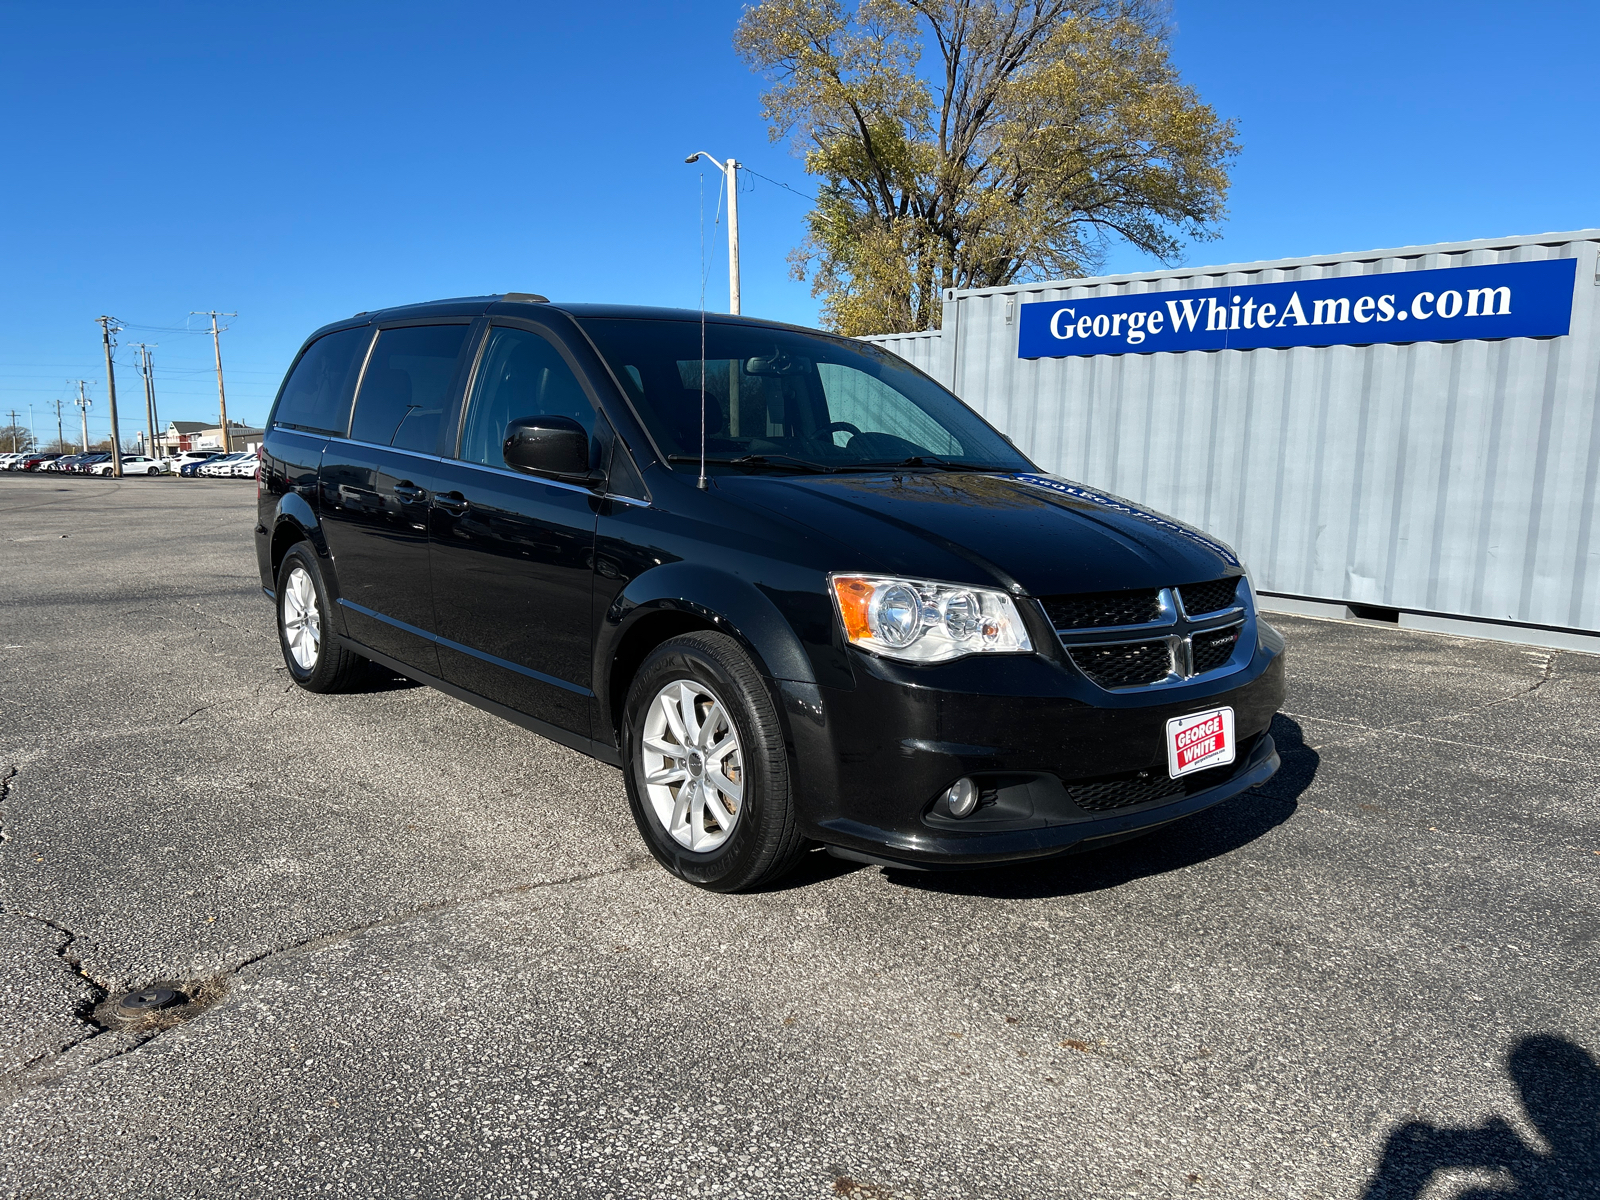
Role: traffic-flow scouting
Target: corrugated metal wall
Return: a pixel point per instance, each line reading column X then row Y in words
column 1456, row 478
column 922, row 350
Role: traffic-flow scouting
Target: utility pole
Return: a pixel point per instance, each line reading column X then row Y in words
column 14, row 446
column 106, row 331
column 147, row 369
column 84, row 404
column 61, row 434
column 730, row 172
column 222, row 396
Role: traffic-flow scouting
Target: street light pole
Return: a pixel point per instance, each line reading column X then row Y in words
column 730, row 172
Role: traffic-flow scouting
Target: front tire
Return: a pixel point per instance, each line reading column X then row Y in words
column 317, row 660
column 705, row 765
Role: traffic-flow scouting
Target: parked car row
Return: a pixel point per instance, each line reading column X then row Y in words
column 240, row 464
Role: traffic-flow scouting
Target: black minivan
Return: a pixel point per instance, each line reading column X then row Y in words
column 789, row 584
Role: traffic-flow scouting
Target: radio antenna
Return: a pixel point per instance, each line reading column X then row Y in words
column 702, row 483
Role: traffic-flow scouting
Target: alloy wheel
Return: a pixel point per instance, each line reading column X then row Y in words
column 692, row 766
column 302, row 620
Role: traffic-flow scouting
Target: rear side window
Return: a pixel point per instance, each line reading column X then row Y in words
column 316, row 396
column 407, row 386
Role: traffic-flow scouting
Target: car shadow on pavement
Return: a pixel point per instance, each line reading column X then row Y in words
column 377, row 678
column 1206, row 835
column 1559, row 1082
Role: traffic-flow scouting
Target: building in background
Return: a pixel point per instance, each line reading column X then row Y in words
column 1411, row 435
column 197, row 435
column 180, row 436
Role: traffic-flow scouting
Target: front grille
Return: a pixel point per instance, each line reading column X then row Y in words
column 1128, row 665
column 1109, row 794
column 1137, row 607
column 1209, row 597
column 1142, row 787
column 1212, row 650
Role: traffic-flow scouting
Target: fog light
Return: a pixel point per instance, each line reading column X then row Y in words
column 962, row 797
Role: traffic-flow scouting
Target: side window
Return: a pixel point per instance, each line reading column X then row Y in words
column 407, row 387
column 522, row 375
column 316, row 396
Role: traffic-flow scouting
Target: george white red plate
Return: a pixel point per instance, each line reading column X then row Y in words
column 1200, row 740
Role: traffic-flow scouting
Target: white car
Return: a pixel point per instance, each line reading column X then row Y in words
column 176, row 462
column 221, row 465
column 132, row 464
column 247, row 466
column 8, row 462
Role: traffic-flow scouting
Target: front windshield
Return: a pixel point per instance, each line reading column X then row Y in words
column 777, row 399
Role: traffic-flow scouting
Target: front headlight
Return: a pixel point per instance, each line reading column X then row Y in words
column 916, row 620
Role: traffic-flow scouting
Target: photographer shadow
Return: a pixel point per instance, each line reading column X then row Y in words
column 1559, row 1082
column 1209, row 834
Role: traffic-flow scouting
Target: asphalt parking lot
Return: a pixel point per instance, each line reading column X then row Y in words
column 433, row 958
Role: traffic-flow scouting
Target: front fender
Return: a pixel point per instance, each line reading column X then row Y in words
column 729, row 602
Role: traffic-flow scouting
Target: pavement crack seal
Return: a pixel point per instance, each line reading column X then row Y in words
column 5, row 794
column 103, row 1019
column 1548, row 674
column 1401, row 727
column 84, row 1008
column 219, row 703
column 427, row 910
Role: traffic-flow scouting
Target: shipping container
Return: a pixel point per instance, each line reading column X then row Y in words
column 1443, row 483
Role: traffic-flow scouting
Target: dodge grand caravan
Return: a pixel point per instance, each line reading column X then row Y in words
column 796, row 590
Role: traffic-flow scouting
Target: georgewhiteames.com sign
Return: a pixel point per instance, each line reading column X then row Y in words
column 1505, row 300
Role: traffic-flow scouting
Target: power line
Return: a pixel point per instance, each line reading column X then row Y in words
column 175, row 328
column 778, row 183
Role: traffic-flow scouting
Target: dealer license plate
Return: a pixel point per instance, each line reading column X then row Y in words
column 1199, row 741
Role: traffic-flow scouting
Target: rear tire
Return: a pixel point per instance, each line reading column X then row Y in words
column 317, row 660
column 711, row 795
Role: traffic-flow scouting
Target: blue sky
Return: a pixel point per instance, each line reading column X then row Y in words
column 300, row 162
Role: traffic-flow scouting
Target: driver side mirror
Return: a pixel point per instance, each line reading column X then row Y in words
column 557, row 447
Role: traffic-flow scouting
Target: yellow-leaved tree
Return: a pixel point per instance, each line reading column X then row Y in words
column 973, row 143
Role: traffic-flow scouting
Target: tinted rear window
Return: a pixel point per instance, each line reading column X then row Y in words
column 407, row 385
column 316, row 396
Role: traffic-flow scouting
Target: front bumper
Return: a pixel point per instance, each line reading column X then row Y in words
column 888, row 848
column 871, row 762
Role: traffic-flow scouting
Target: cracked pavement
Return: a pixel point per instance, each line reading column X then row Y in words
column 440, row 962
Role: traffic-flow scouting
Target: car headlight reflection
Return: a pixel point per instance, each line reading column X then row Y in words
column 920, row 621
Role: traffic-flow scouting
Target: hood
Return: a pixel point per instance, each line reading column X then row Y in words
column 1047, row 534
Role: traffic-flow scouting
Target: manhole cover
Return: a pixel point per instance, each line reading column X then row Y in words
column 148, row 1000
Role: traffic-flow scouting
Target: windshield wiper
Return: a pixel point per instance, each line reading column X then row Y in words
column 758, row 460
column 920, row 460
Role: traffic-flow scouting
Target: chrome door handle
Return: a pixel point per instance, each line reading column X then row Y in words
column 453, row 503
column 409, row 493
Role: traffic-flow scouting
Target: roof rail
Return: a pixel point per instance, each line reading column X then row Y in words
column 526, row 297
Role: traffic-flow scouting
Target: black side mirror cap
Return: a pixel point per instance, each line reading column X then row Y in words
column 557, row 447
